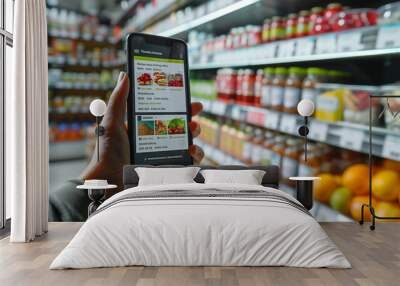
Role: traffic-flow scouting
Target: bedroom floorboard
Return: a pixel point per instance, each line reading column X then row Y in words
column 375, row 257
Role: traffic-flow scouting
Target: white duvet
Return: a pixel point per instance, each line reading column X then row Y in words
column 200, row 231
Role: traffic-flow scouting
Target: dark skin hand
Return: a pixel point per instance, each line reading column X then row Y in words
column 114, row 144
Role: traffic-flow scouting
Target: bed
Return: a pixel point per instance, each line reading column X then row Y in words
column 197, row 224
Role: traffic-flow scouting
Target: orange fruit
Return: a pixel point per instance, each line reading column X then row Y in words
column 387, row 209
column 355, row 178
column 338, row 179
column 355, row 207
column 324, row 187
column 385, row 185
column 340, row 200
column 391, row 165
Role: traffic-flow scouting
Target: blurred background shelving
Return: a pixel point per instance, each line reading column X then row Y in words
column 337, row 55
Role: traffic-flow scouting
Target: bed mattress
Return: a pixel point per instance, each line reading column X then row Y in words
column 201, row 225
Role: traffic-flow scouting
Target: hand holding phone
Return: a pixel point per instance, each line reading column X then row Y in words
column 159, row 109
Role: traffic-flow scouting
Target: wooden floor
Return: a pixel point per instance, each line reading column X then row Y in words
column 375, row 257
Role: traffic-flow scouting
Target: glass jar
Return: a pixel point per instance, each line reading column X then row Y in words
column 248, row 84
column 266, row 87
column 293, row 86
column 278, row 150
column 315, row 14
column 258, row 86
column 309, row 91
column 332, row 9
column 237, row 33
column 278, row 89
column 291, row 26
column 254, row 35
column 290, row 160
column 266, row 155
column 257, row 141
column 277, row 31
column 247, row 144
column 266, row 31
column 303, row 24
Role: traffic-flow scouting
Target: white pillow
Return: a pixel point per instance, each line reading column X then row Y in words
column 248, row 177
column 166, row 176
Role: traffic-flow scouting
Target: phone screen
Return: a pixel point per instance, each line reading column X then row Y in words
column 159, row 102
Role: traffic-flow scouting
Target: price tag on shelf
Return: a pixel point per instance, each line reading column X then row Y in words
column 218, row 108
column 271, row 120
column 387, row 36
column 391, row 147
column 318, row 130
column 286, row 48
column 349, row 41
column 288, row 124
column 269, row 51
column 255, row 117
column 235, row 112
column 326, row 44
column 305, row 46
column 351, row 139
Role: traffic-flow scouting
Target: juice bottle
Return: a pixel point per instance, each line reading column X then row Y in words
column 258, row 87
column 248, row 84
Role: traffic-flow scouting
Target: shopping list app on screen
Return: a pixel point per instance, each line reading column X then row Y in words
column 160, row 103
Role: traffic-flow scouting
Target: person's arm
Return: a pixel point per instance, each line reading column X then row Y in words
column 69, row 204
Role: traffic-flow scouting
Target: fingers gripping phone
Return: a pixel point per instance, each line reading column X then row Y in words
column 159, row 108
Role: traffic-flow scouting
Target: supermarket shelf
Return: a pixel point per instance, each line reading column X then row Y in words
column 162, row 14
column 340, row 134
column 88, row 42
column 80, row 92
column 238, row 5
column 73, row 150
column 217, row 156
column 70, row 117
column 80, row 67
column 244, row 61
column 320, row 211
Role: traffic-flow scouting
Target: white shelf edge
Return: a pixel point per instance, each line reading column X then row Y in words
column 208, row 18
column 294, row 59
column 377, row 131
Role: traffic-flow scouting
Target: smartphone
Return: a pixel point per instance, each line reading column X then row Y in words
column 159, row 109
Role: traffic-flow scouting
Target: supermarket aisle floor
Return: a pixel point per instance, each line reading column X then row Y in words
column 64, row 170
column 374, row 257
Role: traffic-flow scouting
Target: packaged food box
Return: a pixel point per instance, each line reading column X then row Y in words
column 350, row 103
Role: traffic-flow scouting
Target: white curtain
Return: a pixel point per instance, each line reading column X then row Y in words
column 27, row 123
